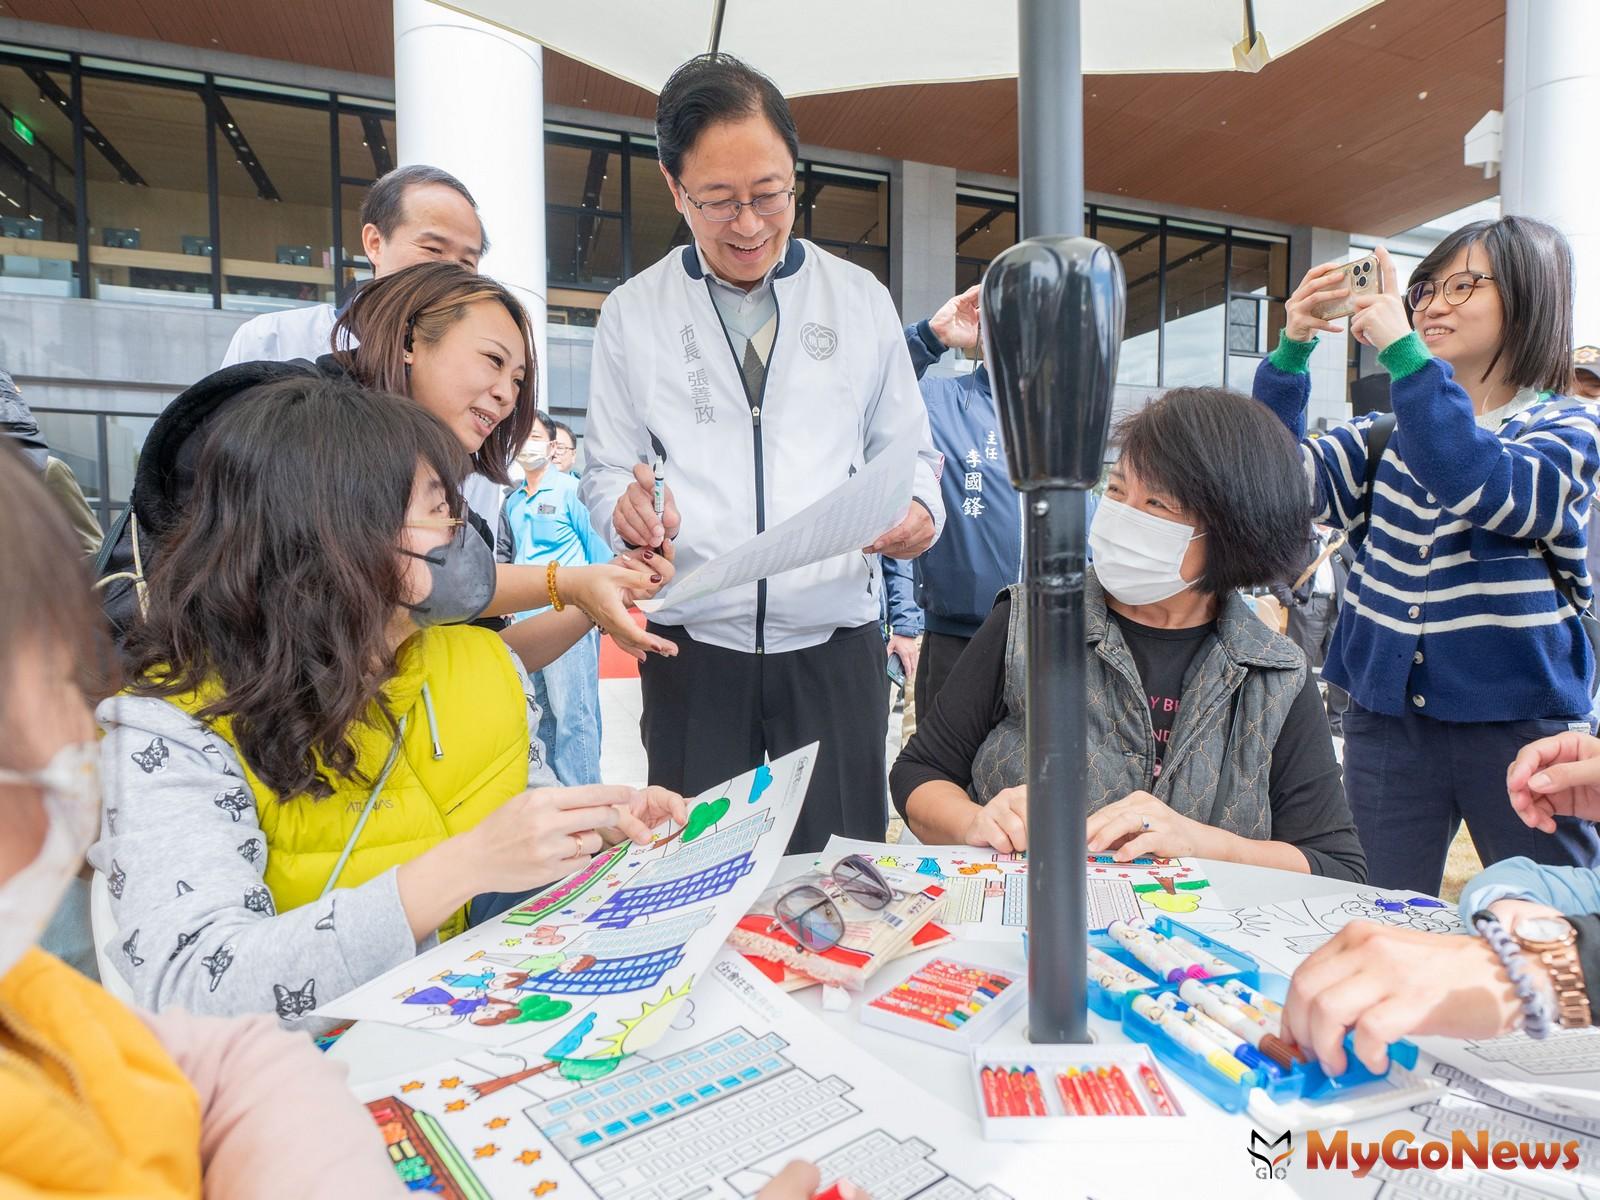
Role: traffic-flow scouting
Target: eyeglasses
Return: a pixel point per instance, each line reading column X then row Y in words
column 1456, row 289
column 809, row 915
column 768, row 204
column 437, row 523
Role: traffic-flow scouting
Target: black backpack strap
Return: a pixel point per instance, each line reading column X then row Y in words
column 1378, row 434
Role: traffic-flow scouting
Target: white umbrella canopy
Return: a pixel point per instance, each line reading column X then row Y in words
column 838, row 45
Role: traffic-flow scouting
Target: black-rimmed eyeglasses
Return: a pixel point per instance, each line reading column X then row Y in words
column 1456, row 289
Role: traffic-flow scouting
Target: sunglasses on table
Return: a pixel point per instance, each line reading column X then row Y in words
column 808, row 914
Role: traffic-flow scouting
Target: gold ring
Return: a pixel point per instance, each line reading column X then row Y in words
column 578, row 843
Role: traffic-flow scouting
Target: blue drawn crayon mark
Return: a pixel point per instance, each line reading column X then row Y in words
column 761, row 782
column 573, row 1039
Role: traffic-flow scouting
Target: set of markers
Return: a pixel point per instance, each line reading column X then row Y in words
column 1095, row 1093
column 947, row 1003
column 1202, row 1006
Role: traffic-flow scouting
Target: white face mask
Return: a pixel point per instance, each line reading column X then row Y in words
column 534, row 455
column 1138, row 557
column 71, row 785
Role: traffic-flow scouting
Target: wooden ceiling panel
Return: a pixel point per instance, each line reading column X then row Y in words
column 1332, row 135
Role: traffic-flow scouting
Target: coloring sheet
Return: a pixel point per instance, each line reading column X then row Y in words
column 987, row 892
column 1559, row 1074
column 853, row 515
column 1281, row 936
column 1471, row 1106
column 597, row 966
column 744, row 1081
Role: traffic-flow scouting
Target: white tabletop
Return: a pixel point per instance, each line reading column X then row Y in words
column 375, row 1051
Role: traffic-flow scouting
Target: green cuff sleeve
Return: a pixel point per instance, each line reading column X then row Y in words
column 1291, row 356
column 1405, row 357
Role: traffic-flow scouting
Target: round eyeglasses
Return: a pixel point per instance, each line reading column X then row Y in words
column 1456, row 289
column 768, row 204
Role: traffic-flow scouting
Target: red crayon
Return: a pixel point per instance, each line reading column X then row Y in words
column 1097, row 1094
column 1158, row 1091
column 1015, row 1092
column 1121, row 1087
column 1035, row 1095
column 1069, row 1099
column 993, row 1097
column 1119, row 1105
column 1081, row 1091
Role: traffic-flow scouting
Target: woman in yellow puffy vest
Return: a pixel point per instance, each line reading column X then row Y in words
column 318, row 765
column 98, row 1099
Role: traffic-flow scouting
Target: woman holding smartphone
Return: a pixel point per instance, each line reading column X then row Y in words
column 1460, row 641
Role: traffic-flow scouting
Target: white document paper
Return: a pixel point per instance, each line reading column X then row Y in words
column 855, row 514
column 598, row 965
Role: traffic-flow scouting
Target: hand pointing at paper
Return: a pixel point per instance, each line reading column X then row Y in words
column 909, row 538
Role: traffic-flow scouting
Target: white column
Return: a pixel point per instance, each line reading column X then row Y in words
column 1551, row 128
column 922, row 222
column 1329, row 365
column 469, row 97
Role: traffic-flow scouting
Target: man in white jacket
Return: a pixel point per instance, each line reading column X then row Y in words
column 764, row 372
column 412, row 215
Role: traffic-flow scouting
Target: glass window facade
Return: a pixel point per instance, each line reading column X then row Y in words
column 147, row 185
column 1205, row 302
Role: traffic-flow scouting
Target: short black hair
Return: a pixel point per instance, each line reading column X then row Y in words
column 386, row 199
column 1231, row 464
column 563, row 427
column 711, row 88
column 1532, row 267
column 543, row 421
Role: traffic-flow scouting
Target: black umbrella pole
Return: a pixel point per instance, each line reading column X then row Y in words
column 1057, row 731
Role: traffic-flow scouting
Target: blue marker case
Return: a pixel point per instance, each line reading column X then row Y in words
column 1304, row 1081
column 1109, row 1004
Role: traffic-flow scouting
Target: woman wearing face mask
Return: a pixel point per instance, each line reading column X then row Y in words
column 460, row 345
column 1206, row 733
column 316, row 766
column 1459, row 641
column 97, row 1099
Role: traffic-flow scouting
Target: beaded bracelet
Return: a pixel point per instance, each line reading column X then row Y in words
column 550, row 585
column 1536, row 1020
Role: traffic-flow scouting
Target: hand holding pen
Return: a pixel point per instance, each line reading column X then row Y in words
column 636, row 517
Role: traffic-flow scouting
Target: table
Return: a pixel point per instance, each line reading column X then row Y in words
column 374, row 1051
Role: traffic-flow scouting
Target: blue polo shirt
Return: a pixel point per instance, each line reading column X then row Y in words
column 550, row 523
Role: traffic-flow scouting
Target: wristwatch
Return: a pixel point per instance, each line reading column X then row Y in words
column 1554, row 943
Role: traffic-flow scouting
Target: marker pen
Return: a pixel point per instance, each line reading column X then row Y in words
column 1241, row 1048
column 1112, row 975
column 1184, row 948
column 1167, row 964
column 1191, row 1039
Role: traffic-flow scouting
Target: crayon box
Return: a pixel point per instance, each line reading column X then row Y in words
column 946, row 1002
column 1097, row 1094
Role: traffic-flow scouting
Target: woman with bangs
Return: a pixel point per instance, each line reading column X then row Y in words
column 1461, row 640
column 318, row 764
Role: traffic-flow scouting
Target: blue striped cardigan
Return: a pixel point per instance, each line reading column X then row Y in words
column 1451, row 611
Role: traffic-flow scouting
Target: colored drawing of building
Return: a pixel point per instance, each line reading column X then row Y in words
column 707, row 867
column 563, row 894
column 625, row 960
column 423, row 1154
